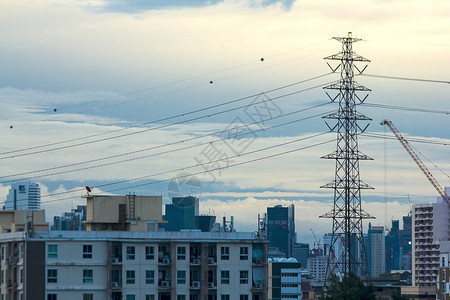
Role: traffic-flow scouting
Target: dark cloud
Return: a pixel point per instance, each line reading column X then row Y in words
column 137, row 6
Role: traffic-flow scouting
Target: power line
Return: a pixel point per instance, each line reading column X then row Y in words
column 414, row 140
column 409, row 43
column 184, row 168
column 161, row 120
column 165, row 145
column 425, row 110
column 192, row 174
column 423, row 155
column 404, row 78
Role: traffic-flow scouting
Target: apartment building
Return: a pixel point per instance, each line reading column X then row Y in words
column 430, row 224
column 284, row 279
column 94, row 265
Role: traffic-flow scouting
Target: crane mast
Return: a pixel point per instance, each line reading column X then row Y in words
column 418, row 161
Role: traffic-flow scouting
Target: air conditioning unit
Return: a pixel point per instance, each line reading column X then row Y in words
column 115, row 284
column 165, row 283
column 196, row 284
column 166, row 261
column 196, row 261
column 211, row 260
column 259, row 261
column 259, row 285
column 115, row 260
column 210, row 284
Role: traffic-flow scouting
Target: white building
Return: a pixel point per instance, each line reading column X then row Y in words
column 23, row 196
column 94, row 265
column 430, row 226
column 317, row 266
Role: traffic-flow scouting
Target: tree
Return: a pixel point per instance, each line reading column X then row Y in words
column 350, row 288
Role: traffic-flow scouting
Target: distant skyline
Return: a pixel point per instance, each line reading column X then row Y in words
column 83, row 69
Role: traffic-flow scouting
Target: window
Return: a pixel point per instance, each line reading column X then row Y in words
column 131, row 297
column 88, row 276
column 149, row 277
column 181, row 277
column 181, row 253
column 52, row 275
column 87, row 251
column 2, row 254
column 225, row 297
column 2, row 279
column 224, row 253
column 131, row 277
column 52, row 251
column 244, row 297
column 21, row 251
column 243, row 277
column 225, row 277
column 51, row 297
column 21, row 275
column 149, row 297
column 149, row 253
column 131, row 252
column 181, row 297
column 244, row 253
column 88, row 296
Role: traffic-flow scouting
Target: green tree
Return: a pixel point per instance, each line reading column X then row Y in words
column 350, row 288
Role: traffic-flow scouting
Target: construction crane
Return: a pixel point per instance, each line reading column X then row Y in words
column 418, row 161
column 316, row 242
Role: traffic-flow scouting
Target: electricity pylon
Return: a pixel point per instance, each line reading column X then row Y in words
column 347, row 213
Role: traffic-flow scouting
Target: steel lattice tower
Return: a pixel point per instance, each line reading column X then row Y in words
column 347, row 213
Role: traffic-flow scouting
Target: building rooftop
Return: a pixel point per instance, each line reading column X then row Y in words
column 136, row 235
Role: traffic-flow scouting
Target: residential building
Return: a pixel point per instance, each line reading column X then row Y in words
column 430, row 227
column 284, row 279
column 317, row 266
column 123, row 213
column 69, row 265
column 23, row 196
column 376, row 250
column 73, row 220
column 443, row 281
column 281, row 229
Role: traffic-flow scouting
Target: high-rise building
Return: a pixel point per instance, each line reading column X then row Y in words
column 281, row 230
column 317, row 266
column 301, row 253
column 406, row 244
column 73, row 220
column 376, row 250
column 392, row 242
column 23, row 196
column 430, row 227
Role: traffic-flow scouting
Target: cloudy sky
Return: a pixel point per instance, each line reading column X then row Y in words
column 124, row 96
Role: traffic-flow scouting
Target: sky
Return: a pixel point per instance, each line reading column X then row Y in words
column 129, row 96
